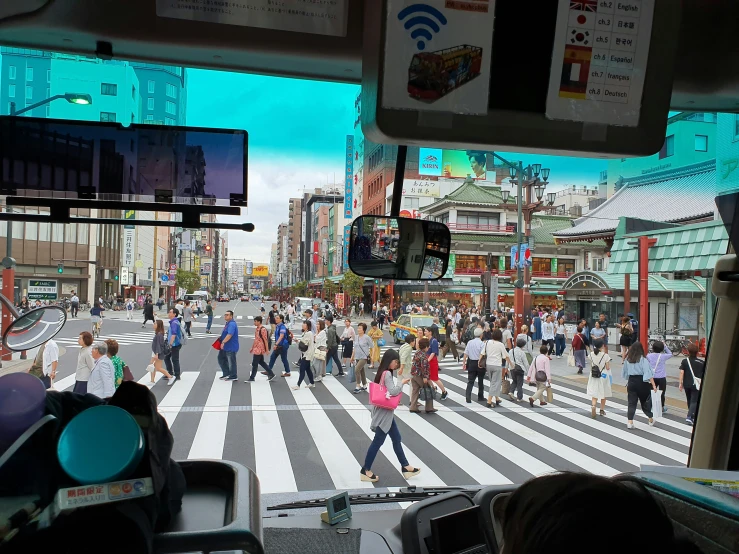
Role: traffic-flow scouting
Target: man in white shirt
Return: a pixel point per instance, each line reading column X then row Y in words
column 50, row 363
column 102, row 378
column 547, row 334
column 74, row 304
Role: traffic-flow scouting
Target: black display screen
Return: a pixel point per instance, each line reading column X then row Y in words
column 339, row 504
column 458, row 531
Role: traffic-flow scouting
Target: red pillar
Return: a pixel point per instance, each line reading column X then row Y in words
column 627, row 293
column 644, row 244
column 8, row 291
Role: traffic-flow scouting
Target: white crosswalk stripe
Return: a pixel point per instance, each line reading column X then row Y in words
column 142, row 337
column 483, row 445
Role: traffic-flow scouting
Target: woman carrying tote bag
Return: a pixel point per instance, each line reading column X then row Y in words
column 384, row 397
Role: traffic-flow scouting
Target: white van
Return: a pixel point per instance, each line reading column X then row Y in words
column 198, row 295
column 306, row 302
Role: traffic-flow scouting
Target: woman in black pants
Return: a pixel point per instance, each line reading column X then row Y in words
column 638, row 371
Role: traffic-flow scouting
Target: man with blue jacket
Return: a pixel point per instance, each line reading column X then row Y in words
column 174, row 338
column 280, row 346
column 229, row 348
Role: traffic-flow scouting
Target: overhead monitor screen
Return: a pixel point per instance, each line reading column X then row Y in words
column 142, row 163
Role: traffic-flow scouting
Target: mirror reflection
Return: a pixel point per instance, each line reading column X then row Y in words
column 34, row 328
column 399, row 248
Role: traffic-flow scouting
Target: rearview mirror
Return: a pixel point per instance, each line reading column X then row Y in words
column 399, row 248
column 34, row 328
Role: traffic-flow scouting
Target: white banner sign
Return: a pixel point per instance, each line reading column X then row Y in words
column 125, row 278
column 128, row 246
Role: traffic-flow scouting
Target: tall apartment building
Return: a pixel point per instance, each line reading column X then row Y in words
column 379, row 171
column 281, row 275
column 163, row 93
column 294, row 228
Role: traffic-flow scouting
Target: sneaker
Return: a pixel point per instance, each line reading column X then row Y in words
column 286, row 375
column 171, row 381
column 664, row 409
column 688, row 421
column 357, row 391
column 231, row 379
column 248, row 380
column 510, row 395
column 341, row 374
column 629, row 425
column 311, row 386
column 295, row 388
column 272, row 378
column 443, row 395
column 223, row 377
column 651, row 422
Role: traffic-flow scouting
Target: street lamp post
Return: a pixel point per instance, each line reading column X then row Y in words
column 8, row 263
column 529, row 177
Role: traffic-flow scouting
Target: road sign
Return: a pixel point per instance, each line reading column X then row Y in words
column 165, row 278
column 125, row 276
column 173, row 267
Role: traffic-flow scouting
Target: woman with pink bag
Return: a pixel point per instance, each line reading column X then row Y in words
column 384, row 397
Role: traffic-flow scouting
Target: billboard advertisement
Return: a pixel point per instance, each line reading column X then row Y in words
column 456, row 163
column 348, row 175
column 261, row 271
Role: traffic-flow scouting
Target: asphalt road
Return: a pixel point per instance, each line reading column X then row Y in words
column 316, row 439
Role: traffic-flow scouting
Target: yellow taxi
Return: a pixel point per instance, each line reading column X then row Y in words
column 408, row 323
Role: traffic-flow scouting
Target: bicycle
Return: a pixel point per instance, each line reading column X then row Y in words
column 97, row 324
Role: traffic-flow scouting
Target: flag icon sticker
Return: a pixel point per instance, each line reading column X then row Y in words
column 579, row 37
column 584, row 20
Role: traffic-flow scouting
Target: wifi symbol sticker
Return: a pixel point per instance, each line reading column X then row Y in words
column 414, row 23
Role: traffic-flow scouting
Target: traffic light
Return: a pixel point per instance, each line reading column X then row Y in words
column 60, row 268
column 115, row 276
column 207, row 247
column 377, row 281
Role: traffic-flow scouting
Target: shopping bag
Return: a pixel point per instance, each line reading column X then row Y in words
column 378, row 395
column 380, row 342
column 127, row 375
column 550, row 394
column 428, row 393
column 352, row 374
column 505, row 386
column 217, row 344
column 656, row 404
column 571, row 360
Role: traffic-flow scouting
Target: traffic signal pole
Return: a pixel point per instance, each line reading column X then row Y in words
column 8, row 289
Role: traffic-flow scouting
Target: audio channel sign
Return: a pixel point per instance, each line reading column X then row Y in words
column 599, row 61
column 437, row 55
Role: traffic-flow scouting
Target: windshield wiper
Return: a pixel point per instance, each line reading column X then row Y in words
column 405, row 494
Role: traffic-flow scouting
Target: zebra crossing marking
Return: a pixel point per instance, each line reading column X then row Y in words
column 210, row 436
column 171, row 405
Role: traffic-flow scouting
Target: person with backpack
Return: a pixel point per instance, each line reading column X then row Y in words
column 579, row 350
column 260, row 347
column 129, row 310
column 691, row 378
column 520, row 361
column 283, row 340
column 174, row 340
column 541, row 373
column 332, row 343
column 600, row 379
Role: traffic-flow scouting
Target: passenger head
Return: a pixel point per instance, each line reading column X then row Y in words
column 112, row 347
column 478, row 332
column 692, row 350
column 597, row 345
column 410, row 338
column 543, row 349
column 521, row 343
column 546, row 513
column 658, row 346
column 390, row 362
column 635, row 353
column 497, row 335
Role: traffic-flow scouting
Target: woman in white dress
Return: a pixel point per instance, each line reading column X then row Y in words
column 600, row 380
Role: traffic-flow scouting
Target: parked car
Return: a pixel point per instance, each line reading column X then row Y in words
column 244, row 297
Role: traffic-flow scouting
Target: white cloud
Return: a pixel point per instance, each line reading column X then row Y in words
column 271, row 185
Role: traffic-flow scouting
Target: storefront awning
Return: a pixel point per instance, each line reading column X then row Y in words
column 686, row 248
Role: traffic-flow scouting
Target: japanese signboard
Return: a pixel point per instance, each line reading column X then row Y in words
column 129, row 214
column 128, row 246
column 348, row 176
column 42, row 290
column 417, row 187
column 325, row 17
column 125, row 278
column 599, row 61
column 347, row 239
column 261, row 271
column 206, row 269
column 196, row 264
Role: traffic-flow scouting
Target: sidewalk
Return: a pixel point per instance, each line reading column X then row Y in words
column 674, row 398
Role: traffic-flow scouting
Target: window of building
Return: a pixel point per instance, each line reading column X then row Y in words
column 133, row 92
column 107, row 116
column 11, row 72
column 411, row 203
column 598, row 264
column 57, row 232
column 151, row 87
column 668, row 148
column 443, row 218
column 44, row 232
column 170, row 121
column 11, row 91
column 29, row 93
column 149, row 103
column 31, row 230
column 108, row 89
column 171, row 91
column 71, row 232
column 83, row 233
column 477, row 219
column 171, row 107
column 29, row 74
column 701, row 143
column 149, row 117
column 18, row 229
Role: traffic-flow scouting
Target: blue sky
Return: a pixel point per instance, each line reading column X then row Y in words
column 297, row 131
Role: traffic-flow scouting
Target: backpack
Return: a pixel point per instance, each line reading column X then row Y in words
column 289, row 336
column 469, row 334
column 269, row 339
column 595, row 370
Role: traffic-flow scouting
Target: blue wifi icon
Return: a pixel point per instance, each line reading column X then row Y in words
column 414, row 22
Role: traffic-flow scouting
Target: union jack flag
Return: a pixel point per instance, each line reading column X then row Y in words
column 584, row 5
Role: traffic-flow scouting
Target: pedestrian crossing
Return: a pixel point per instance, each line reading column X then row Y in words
column 316, row 439
column 137, row 337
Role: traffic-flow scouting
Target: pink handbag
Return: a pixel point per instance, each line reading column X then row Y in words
column 377, row 395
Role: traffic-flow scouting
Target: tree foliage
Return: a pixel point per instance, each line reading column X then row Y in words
column 300, row 288
column 188, row 280
column 352, row 284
